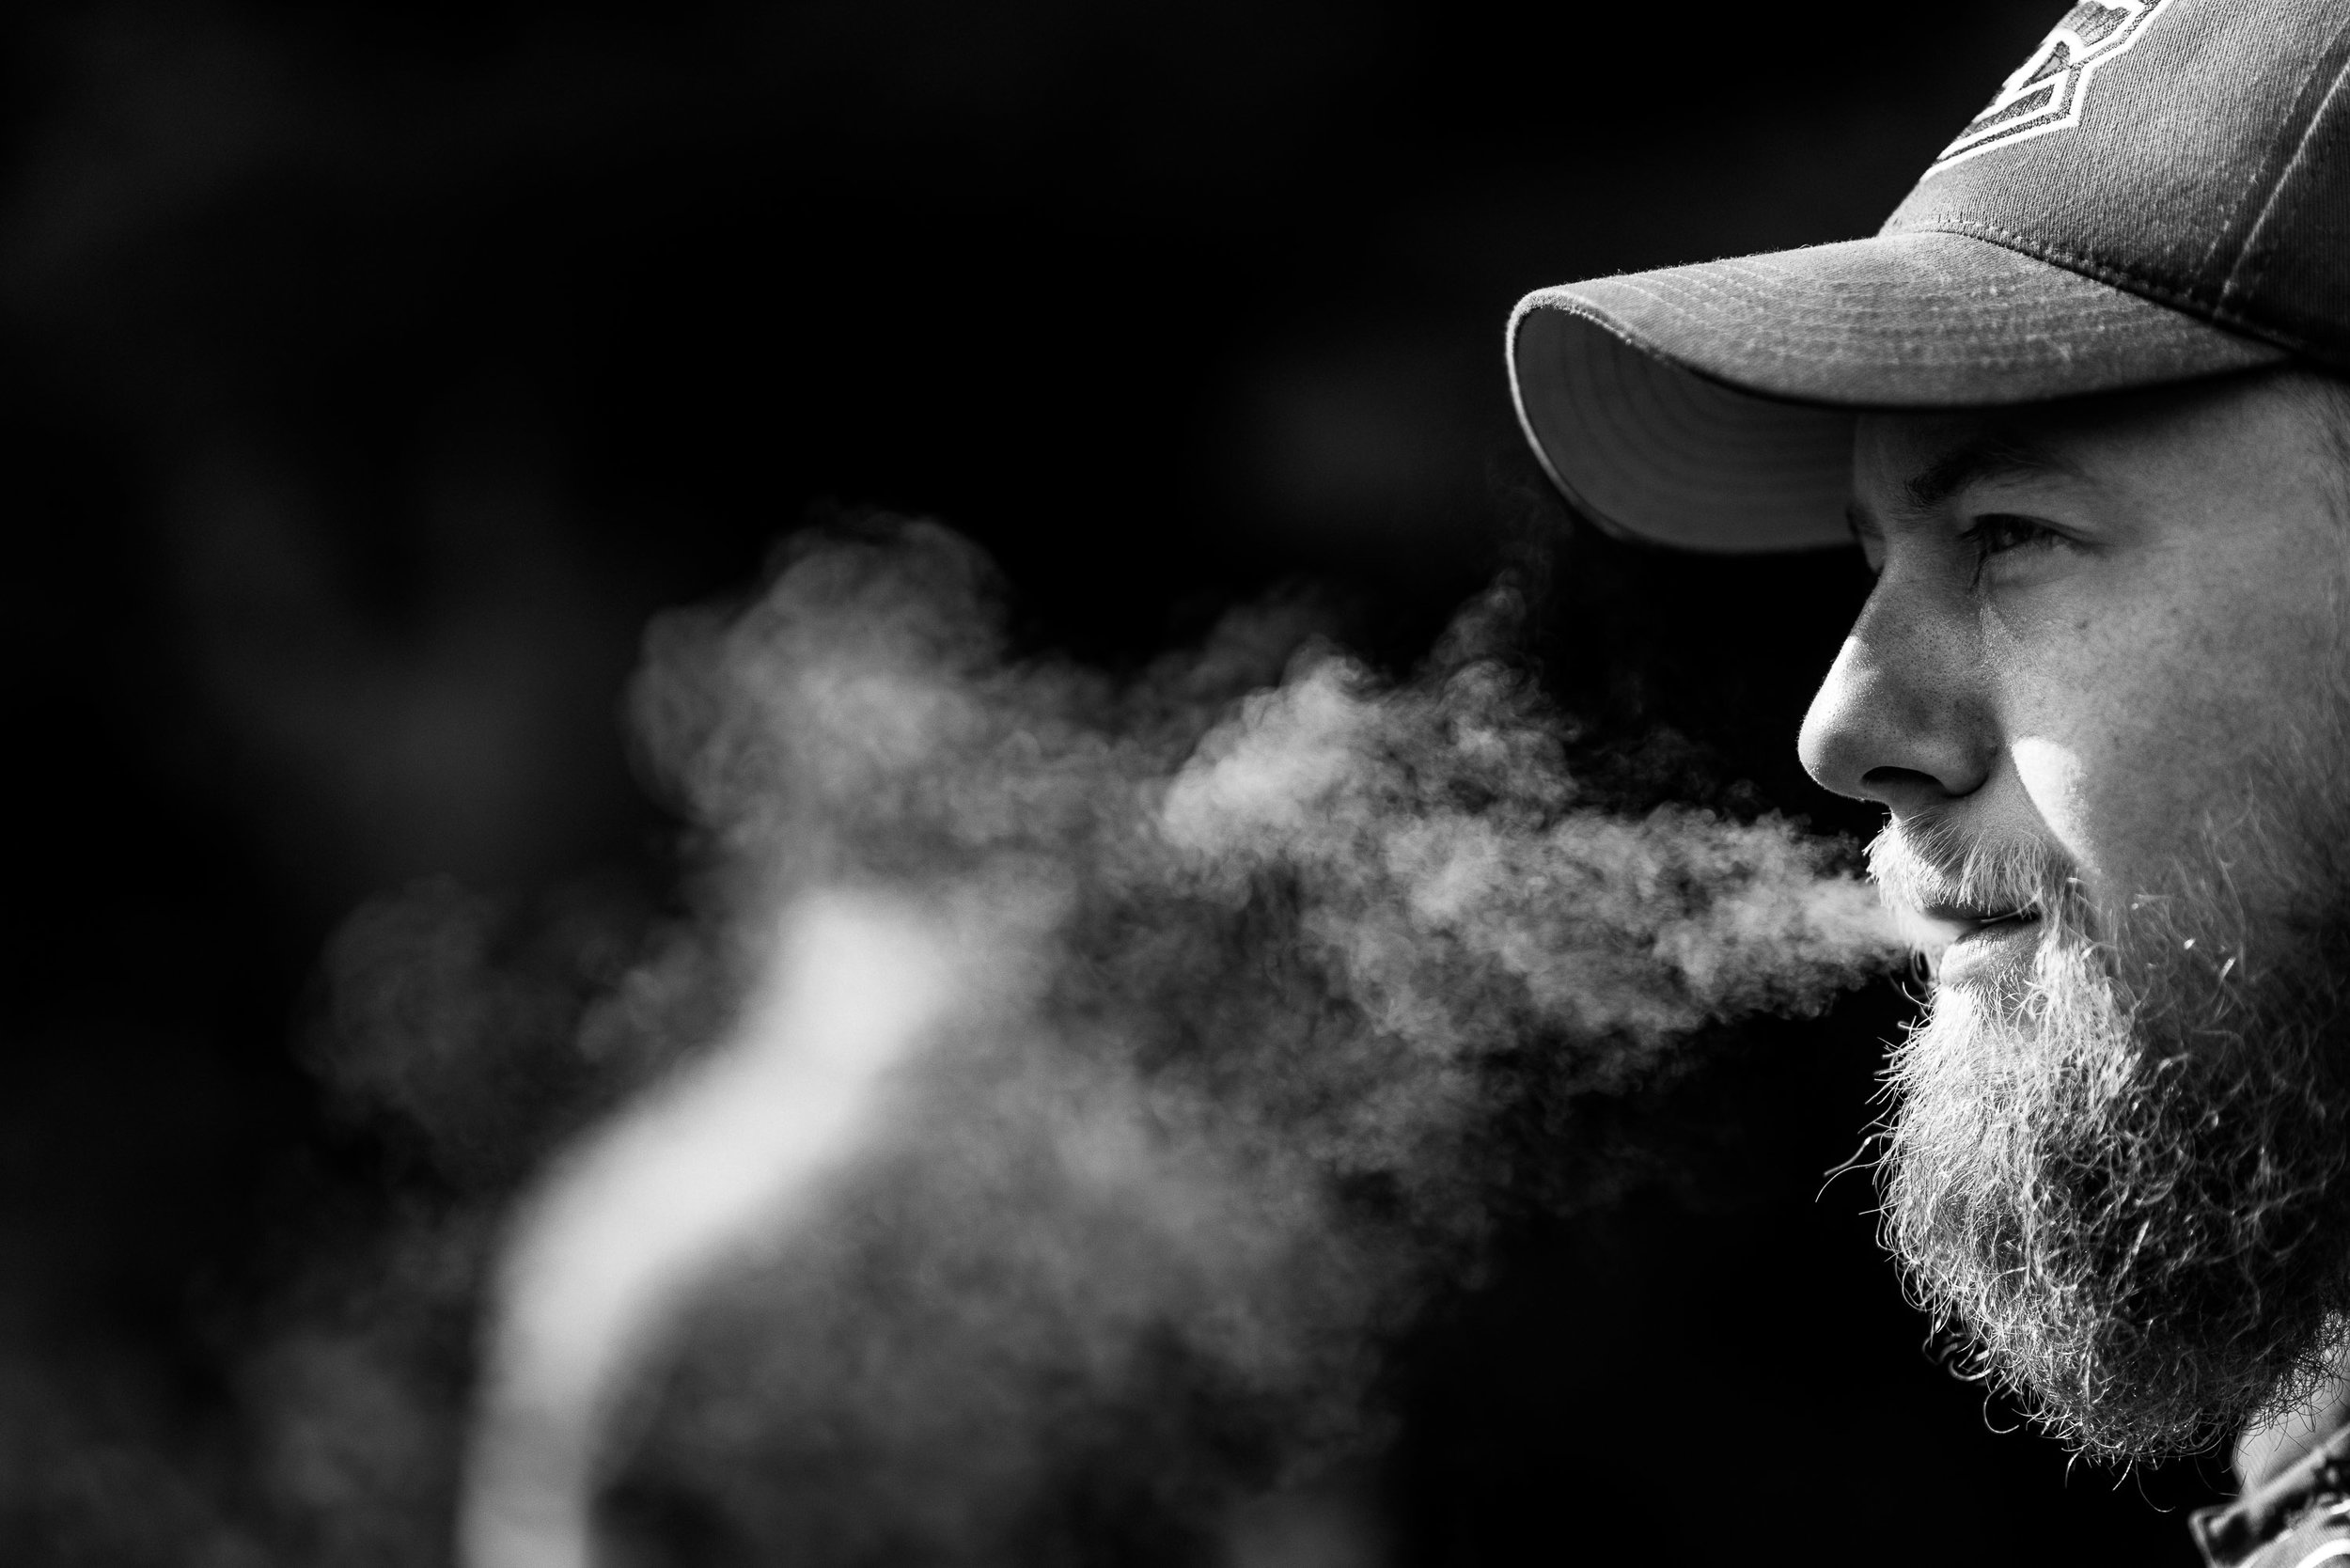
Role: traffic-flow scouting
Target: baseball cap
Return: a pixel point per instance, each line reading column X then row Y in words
column 2160, row 192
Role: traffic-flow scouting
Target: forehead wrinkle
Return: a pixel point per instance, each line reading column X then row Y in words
column 1985, row 455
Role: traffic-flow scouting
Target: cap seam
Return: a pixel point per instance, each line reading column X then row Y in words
column 2216, row 312
column 2245, row 267
column 1649, row 285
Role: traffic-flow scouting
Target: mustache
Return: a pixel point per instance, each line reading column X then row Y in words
column 1938, row 870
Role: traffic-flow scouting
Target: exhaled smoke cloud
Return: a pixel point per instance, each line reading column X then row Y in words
column 1111, row 1066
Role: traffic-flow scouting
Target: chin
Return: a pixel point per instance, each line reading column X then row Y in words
column 2116, row 1168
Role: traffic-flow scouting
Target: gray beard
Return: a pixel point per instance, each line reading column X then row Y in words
column 2120, row 1178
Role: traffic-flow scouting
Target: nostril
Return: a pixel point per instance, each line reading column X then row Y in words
column 1900, row 719
column 1896, row 786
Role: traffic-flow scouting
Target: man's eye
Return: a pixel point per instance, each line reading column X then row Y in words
column 1997, row 534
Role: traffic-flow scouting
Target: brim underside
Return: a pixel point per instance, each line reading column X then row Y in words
column 1710, row 407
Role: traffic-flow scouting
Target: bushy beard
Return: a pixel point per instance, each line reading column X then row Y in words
column 2119, row 1170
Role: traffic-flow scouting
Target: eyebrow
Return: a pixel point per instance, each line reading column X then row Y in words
column 1992, row 455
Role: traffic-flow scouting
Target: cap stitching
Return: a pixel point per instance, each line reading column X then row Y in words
column 1647, row 288
column 2007, row 239
column 2218, row 312
column 1719, row 281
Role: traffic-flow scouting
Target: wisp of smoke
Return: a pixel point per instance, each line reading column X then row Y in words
column 1106, row 1071
column 638, row 1213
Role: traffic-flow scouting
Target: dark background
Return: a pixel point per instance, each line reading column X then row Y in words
column 373, row 372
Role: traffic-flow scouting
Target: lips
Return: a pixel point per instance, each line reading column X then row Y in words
column 1974, row 941
column 1966, row 921
column 1963, row 941
column 1963, row 898
column 1938, row 925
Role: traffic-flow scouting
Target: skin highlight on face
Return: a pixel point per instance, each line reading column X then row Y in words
column 2100, row 688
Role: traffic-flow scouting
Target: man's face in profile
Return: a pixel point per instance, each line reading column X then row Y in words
column 2101, row 686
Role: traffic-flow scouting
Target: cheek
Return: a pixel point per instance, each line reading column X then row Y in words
column 2128, row 734
column 2057, row 782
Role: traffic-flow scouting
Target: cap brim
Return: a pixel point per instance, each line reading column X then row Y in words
column 1711, row 407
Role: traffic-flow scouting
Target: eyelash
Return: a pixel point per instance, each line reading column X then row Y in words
column 1999, row 533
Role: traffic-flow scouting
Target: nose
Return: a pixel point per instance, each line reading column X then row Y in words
column 1902, row 719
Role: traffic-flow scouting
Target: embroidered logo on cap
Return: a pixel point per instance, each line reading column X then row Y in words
column 2047, row 89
